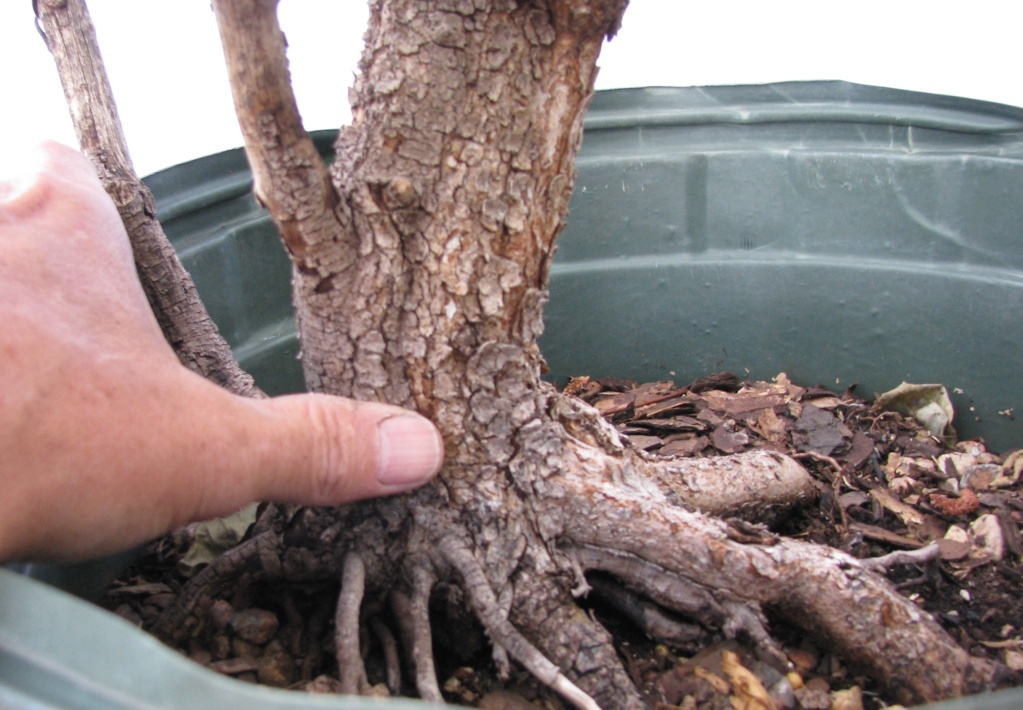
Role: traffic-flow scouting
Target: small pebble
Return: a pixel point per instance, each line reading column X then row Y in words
column 220, row 614
column 849, row 699
column 255, row 625
column 234, row 666
column 241, row 647
column 276, row 667
column 221, row 647
column 803, row 659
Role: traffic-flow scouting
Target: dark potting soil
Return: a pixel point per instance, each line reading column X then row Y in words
column 886, row 483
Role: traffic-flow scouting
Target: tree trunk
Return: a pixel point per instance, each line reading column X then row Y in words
column 421, row 267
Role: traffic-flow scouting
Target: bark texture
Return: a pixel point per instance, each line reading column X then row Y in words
column 71, row 39
column 421, row 267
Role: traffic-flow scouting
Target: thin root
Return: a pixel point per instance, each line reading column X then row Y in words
column 391, row 657
column 351, row 669
column 422, row 637
column 502, row 632
column 902, row 557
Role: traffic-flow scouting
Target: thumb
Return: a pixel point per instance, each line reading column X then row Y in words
column 317, row 449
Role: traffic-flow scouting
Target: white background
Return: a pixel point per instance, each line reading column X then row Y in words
column 164, row 60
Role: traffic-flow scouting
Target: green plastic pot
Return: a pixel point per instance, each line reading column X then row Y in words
column 840, row 233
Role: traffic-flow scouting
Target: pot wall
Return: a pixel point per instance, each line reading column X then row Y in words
column 843, row 234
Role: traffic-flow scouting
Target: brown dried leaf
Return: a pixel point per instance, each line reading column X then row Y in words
column 830, row 402
column 928, row 404
column 577, row 385
column 794, row 392
column 770, row 426
column 748, row 693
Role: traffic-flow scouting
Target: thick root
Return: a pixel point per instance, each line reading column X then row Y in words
column 257, row 556
column 699, row 567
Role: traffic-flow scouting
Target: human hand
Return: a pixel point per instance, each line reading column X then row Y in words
column 106, row 440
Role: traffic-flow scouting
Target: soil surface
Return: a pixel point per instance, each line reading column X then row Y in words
column 887, row 485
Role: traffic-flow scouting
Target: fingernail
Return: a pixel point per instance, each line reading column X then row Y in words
column 410, row 451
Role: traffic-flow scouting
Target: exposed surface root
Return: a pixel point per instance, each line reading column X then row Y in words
column 925, row 554
column 418, row 616
column 502, row 632
column 817, row 588
column 720, row 609
column 351, row 669
column 602, row 517
column 258, row 556
column 392, row 658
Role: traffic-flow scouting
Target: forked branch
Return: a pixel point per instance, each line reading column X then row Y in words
column 71, row 38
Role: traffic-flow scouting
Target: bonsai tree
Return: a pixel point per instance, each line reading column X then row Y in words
column 421, row 260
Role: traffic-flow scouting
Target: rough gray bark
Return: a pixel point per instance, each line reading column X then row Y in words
column 71, row 39
column 421, row 265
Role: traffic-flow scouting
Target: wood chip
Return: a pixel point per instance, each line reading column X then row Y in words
column 909, row 515
column 729, row 441
column 234, row 666
column 670, row 404
column 741, row 403
column 678, row 423
column 872, row 532
column 644, row 443
column 619, row 404
column 860, row 450
column 684, row 447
